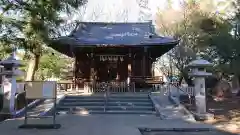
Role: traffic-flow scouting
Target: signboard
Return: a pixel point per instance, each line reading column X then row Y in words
column 48, row 90
column 40, row 89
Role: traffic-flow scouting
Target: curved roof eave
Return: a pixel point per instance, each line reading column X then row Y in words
column 89, row 34
column 78, row 43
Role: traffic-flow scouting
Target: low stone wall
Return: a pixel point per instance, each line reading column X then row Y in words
column 187, row 113
column 156, row 106
column 49, row 111
column 20, row 113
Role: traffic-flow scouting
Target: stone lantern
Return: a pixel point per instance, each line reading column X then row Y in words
column 9, row 84
column 198, row 72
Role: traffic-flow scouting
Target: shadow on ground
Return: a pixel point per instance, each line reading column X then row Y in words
column 113, row 125
column 226, row 113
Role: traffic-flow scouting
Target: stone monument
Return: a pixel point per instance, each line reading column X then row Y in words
column 198, row 72
column 9, row 84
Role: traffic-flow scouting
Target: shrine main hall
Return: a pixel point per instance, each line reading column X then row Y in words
column 114, row 52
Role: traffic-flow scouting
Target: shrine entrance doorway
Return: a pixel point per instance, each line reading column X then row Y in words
column 111, row 70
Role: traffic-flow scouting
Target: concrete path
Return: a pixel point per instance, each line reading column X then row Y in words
column 110, row 124
column 98, row 125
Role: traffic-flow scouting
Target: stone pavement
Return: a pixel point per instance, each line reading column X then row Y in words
column 112, row 124
column 167, row 109
column 99, row 125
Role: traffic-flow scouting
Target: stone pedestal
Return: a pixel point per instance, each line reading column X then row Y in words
column 200, row 96
column 9, row 87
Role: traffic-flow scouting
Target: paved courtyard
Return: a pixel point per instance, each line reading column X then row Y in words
column 107, row 124
column 102, row 125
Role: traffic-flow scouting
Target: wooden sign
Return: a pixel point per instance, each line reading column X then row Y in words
column 40, row 89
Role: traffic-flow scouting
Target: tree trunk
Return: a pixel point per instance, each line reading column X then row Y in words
column 238, row 80
column 238, row 93
column 184, row 75
column 180, row 80
column 32, row 68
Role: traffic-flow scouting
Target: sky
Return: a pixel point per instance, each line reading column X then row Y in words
column 116, row 11
column 119, row 10
column 123, row 10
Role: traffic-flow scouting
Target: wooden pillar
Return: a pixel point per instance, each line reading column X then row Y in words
column 144, row 61
column 152, row 67
column 129, row 64
column 133, row 65
column 92, row 68
column 80, row 68
column 149, row 59
column 147, row 65
column 118, row 78
column 75, row 69
column 137, row 69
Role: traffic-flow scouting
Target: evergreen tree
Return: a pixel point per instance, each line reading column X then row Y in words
column 32, row 24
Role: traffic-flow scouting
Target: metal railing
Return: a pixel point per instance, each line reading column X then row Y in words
column 161, row 88
column 106, row 88
column 189, row 91
column 184, row 90
column 106, row 95
column 172, row 89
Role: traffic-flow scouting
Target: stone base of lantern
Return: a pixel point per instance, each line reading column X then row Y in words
column 40, row 126
column 1, row 101
column 203, row 116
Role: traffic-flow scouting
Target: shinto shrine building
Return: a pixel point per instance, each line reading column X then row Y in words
column 106, row 52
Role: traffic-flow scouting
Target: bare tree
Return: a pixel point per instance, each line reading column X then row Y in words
column 178, row 24
column 145, row 11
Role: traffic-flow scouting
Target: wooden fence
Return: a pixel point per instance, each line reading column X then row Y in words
column 112, row 87
column 174, row 89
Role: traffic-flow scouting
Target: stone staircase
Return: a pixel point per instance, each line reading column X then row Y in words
column 120, row 103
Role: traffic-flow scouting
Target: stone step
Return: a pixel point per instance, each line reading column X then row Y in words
column 137, row 108
column 131, row 93
column 85, row 97
column 112, row 112
column 110, row 96
column 83, row 100
column 77, row 103
column 117, row 104
column 129, row 100
column 131, row 97
column 102, row 100
column 124, row 112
